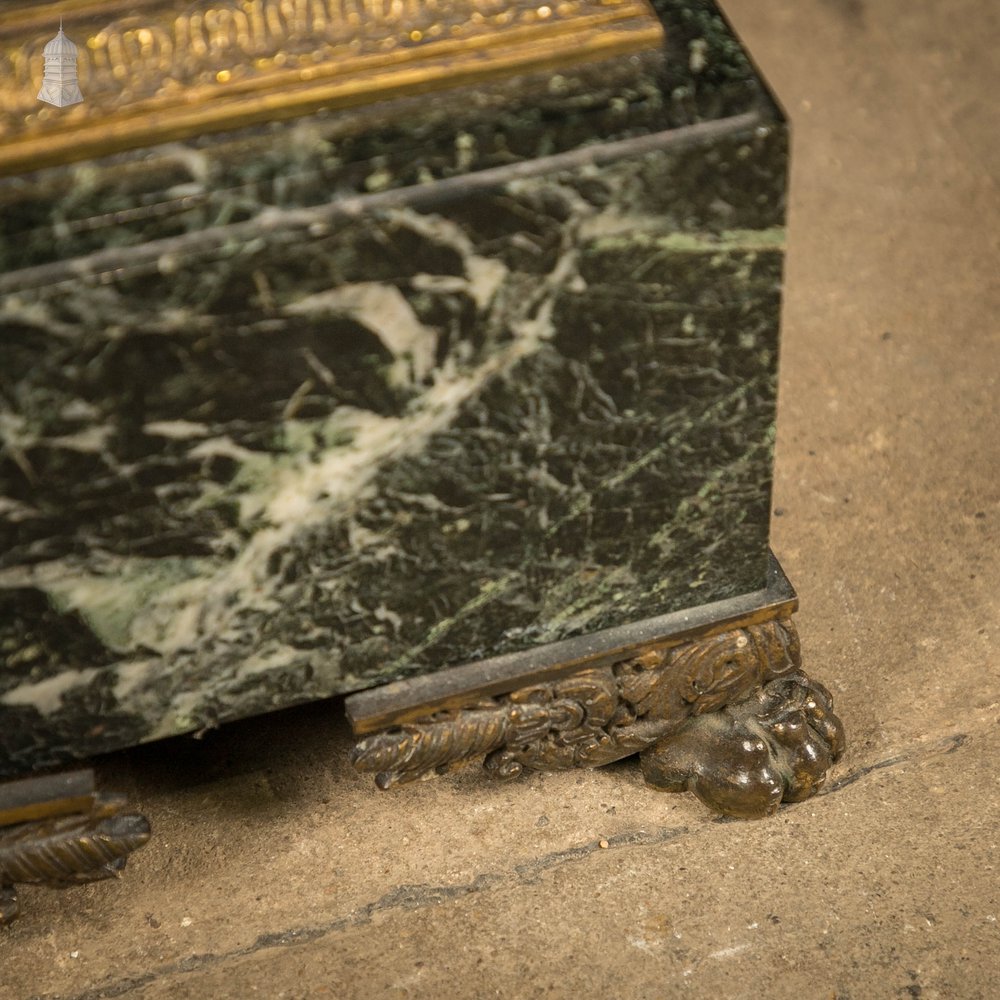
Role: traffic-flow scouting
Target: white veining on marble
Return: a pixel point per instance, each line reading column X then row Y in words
column 185, row 608
column 46, row 696
column 179, row 430
column 483, row 275
column 384, row 311
column 194, row 613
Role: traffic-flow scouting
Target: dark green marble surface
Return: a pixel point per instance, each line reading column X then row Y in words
column 351, row 438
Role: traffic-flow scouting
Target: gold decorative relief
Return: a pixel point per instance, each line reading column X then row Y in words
column 172, row 68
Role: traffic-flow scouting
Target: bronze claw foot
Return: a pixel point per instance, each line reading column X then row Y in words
column 745, row 760
column 80, row 836
column 729, row 716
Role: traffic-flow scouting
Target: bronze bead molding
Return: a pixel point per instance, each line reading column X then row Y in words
column 725, row 713
column 57, row 831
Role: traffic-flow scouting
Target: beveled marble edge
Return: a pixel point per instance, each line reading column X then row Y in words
column 118, row 261
column 403, row 701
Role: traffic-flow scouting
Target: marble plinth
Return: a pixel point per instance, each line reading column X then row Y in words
column 374, row 402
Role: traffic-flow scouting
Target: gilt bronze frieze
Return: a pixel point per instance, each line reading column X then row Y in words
column 163, row 70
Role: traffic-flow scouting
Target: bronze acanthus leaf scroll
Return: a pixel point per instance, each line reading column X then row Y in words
column 77, row 836
column 730, row 717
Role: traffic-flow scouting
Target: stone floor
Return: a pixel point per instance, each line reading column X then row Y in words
column 277, row 871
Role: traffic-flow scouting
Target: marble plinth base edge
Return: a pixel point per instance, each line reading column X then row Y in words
column 56, row 830
column 713, row 700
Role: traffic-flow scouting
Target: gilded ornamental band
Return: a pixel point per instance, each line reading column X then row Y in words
column 171, row 69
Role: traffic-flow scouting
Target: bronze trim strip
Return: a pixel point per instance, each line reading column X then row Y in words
column 46, row 796
column 454, row 687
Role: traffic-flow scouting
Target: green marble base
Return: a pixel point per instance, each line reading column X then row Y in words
column 404, row 409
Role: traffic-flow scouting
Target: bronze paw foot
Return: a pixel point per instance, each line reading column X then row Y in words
column 746, row 759
column 728, row 715
column 76, row 835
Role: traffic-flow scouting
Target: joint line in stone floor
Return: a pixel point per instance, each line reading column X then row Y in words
column 417, row 897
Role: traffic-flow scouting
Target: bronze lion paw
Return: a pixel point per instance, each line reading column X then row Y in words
column 746, row 759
